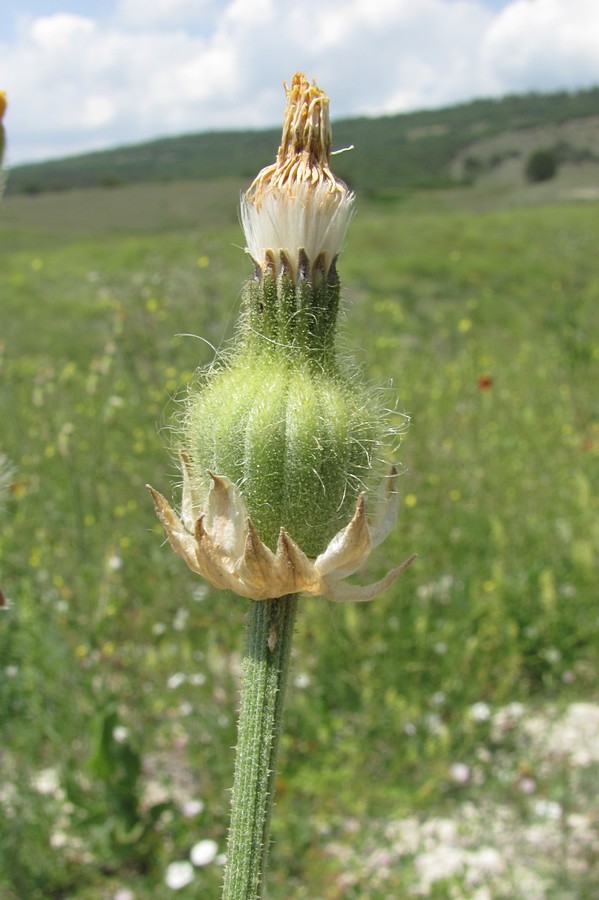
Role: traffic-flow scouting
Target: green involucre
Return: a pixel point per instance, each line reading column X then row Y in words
column 299, row 442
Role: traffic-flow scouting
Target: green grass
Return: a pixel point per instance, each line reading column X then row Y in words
column 484, row 316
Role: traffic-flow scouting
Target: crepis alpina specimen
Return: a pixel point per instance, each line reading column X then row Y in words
column 283, row 443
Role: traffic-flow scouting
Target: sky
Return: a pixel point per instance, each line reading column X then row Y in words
column 90, row 75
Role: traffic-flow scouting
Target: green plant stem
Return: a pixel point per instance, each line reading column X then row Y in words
column 265, row 668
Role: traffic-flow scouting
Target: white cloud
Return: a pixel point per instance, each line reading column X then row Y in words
column 548, row 43
column 76, row 82
column 97, row 112
column 169, row 13
column 55, row 34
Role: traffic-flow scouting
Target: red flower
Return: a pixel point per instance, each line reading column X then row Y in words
column 485, row 382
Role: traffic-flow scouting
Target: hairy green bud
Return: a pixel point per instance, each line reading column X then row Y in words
column 284, row 421
column 281, row 440
column 298, row 441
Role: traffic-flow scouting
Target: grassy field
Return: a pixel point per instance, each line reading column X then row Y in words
column 439, row 742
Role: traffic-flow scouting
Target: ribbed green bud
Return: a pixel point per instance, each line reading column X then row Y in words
column 284, row 421
column 291, row 427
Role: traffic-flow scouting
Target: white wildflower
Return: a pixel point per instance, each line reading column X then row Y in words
column 192, row 808
column 574, row 735
column 439, row 864
column 460, row 773
column 120, row 733
column 480, row 712
column 178, row 875
column 180, row 620
column 47, row 782
column 548, row 809
column 124, row 894
column 204, row 852
column 302, row 680
column 58, row 840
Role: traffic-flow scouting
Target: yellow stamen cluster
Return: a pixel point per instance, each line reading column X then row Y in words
column 297, row 203
column 305, row 152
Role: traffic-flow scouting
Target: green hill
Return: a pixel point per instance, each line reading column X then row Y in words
column 393, row 152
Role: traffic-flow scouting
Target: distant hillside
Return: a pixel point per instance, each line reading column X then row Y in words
column 421, row 149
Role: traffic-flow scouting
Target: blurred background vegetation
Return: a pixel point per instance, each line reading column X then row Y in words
column 473, row 295
column 432, row 148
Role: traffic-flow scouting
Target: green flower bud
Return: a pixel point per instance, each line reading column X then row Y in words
column 297, row 433
column 281, row 439
column 298, row 441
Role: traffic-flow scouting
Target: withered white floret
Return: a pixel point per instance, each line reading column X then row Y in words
column 217, row 539
column 297, row 203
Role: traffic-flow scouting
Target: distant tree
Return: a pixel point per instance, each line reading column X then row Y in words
column 109, row 180
column 473, row 166
column 541, row 165
column 32, row 187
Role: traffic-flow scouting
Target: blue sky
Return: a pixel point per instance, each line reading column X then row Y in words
column 82, row 76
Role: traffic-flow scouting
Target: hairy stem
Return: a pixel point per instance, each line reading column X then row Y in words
column 265, row 668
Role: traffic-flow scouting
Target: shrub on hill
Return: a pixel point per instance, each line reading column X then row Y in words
column 541, row 166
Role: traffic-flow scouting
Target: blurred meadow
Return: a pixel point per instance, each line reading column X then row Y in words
column 440, row 741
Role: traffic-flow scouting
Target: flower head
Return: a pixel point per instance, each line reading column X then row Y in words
column 282, row 441
column 297, row 203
